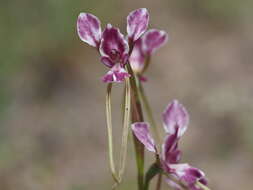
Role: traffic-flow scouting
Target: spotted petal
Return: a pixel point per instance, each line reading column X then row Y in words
column 113, row 45
column 137, row 58
column 89, row 29
column 141, row 131
column 153, row 39
column 137, row 23
column 175, row 118
column 116, row 74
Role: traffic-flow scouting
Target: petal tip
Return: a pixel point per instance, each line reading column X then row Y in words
column 175, row 118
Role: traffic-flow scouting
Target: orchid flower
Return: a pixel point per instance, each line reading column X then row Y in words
column 111, row 43
column 175, row 120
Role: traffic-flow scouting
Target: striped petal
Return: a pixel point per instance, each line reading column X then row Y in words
column 89, row 29
column 153, row 39
column 141, row 131
column 175, row 118
column 137, row 23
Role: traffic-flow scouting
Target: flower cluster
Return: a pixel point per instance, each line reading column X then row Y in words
column 175, row 120
column 116, row 50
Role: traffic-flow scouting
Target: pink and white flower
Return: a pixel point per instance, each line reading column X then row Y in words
column 175, row 119
column 114, row 49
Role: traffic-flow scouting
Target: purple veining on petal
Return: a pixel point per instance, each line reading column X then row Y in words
column 188, row 175
column 175, row 117
column 89, row 29
column 153, row 39
column 137, row 58
column 117, row 74
column 141, row 131
column 113, row 45
column 137, row 23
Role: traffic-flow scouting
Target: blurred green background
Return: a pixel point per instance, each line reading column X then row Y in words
column 52, row 120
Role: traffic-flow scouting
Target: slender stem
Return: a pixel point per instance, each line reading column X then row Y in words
column 202, row 186
column 123, row 152
column 159, row 181
column 154, row 127
column 149, row 113
column 137, row 116
column 109, row 131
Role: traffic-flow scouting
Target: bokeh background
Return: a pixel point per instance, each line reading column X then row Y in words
column 52, row 111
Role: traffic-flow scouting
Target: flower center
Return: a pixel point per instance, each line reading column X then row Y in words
column 115, row 55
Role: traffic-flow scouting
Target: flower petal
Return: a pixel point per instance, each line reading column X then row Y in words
column 114, row 45
column 153, row 39
column 170, row 152
column 188, row 175
column 137, row 23
column 107, row 62
column 141, row 131
column 89, row 29
column 173, row 184
column 137, row 58
column 175, row 118
column 116, row 74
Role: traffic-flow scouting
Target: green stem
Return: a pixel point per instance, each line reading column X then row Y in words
column 149, row 113
column 159, row 182
column 137, row 116
column 151, row 173
column 202, row 186
column 126, row 120
column 109, row 131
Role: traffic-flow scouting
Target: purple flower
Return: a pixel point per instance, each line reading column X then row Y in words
column 188, row 175
column 89, row 29
column 114, row 51
column 113, row 46
column 175, row 119
column 137, row 23
column 152, row 40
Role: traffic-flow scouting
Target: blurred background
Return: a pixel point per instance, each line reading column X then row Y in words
column 52, row 101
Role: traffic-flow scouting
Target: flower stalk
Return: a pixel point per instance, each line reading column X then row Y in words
column 109, row 132
column 137, row 116
column 127, row 58
column 126, row 122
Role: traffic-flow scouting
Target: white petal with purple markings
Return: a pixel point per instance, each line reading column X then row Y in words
column 175, row 118
column 141, row 131
column 188, row 175
column 117, row 74
column 153, row 39
column 137, row 58
column 137, row 23
column 89, row 29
